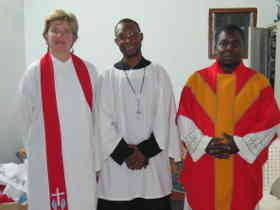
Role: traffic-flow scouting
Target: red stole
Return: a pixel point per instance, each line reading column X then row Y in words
column 57, row 186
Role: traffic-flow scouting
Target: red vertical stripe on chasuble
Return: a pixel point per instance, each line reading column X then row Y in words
column 248, row 196
column 197, row 177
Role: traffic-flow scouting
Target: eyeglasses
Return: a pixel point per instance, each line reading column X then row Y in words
column 56, row 32
column 128, row 35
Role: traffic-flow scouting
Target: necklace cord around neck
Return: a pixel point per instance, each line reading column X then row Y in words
column 130, row 83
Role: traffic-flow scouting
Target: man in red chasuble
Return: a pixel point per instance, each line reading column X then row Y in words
column 227, row 119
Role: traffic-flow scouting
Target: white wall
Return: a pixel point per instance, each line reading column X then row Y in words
column 175, row 31
column 12, row 64
column 175, row 35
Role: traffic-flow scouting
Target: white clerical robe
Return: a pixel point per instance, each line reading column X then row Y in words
column 79, row 145
column 119, row 119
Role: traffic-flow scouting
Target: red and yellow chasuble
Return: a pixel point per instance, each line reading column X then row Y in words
column 237, row 104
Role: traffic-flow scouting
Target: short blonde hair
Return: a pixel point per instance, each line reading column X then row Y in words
column 62, row 15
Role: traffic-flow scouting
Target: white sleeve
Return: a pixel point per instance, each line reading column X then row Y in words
column 251, row 145
column 165, row 129
column 96, row 144
column 194, row 139
column 174, row 149
column 25, row 104
column 109, row 129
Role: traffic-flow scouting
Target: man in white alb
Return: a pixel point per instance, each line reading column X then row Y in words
column 137, row 129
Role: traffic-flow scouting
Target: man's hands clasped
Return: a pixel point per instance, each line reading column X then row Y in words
column 137, row 159
column 222, row 147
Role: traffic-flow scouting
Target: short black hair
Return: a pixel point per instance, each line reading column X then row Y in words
column 230, row 28
column 127, row 20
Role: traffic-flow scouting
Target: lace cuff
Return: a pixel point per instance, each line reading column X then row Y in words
column 251, row 145
column 192, row 136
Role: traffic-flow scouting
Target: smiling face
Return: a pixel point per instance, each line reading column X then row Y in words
column 60, row 37
column 229, row 49
column 129, row 39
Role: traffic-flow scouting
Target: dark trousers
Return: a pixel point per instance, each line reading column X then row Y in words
column 135, row 204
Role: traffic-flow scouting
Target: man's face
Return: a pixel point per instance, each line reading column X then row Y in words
column 60, row 37
column 229, row 49
column 129, row 39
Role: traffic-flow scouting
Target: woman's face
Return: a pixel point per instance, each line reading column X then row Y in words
column 60, row 37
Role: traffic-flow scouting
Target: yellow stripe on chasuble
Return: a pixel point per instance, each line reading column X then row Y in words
column 248, row 95
column 204, row 95
column 224, row 123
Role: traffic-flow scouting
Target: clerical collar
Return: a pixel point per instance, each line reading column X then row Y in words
column 123, row 66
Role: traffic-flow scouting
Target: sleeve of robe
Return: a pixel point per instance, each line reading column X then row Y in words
column 149, row 147
column 109, row 132
column 195, row 139
column 96, row 144
column 25, row 107
column 264, row 130
column 165, row 128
